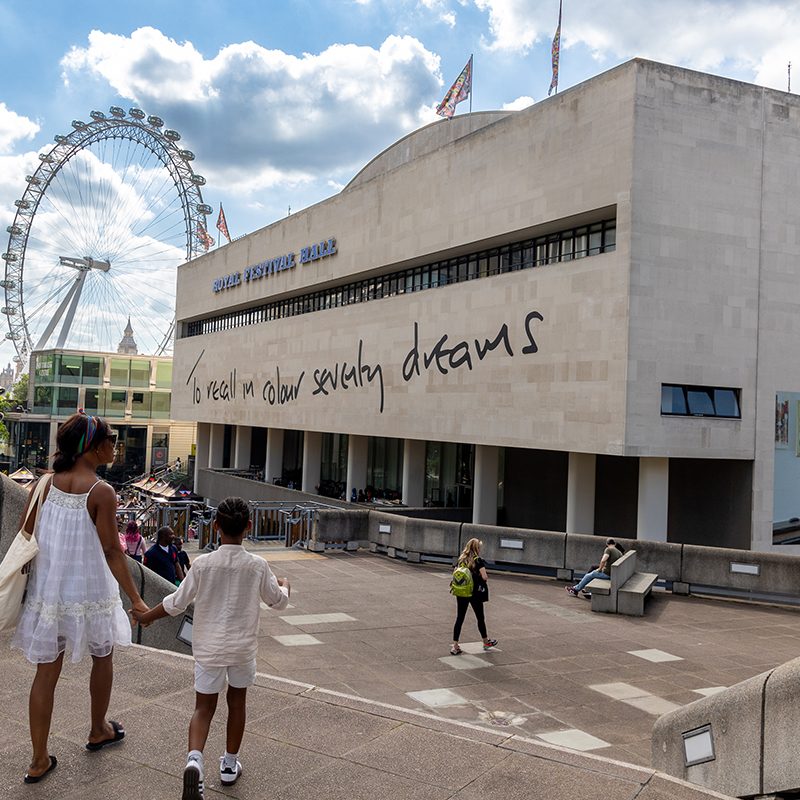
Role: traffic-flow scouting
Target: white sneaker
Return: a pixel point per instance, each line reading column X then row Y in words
column 229, row 775
column 192, row 781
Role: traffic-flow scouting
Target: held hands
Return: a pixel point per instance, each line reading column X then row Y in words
column 138, row 610
column 285, row 582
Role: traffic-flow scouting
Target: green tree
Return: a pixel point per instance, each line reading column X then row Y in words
column 19, row 391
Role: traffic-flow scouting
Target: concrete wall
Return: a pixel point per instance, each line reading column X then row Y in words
column 216, row 486
column 754, row 726
column 563, row 554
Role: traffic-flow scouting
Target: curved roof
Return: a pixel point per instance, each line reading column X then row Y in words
column 425, row 140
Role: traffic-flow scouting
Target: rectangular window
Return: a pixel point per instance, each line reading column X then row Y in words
column 66, row 401
column 91, row 402
column 44, row 368
column 160, row 405
column 140, row 405
column 93, row 368
column 140, row 373
column 69, row 368
column 43, row 400
column 164, row 375
column 700, row 401
column 115, row 403
column 120, row 371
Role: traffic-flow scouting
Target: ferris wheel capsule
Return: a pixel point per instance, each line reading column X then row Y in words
column 9, row 311
column 12, row 336
column 7, row 284
column 204, row 208
column 117, row 111
column 136, row 113
column 9, row 257
column 23, row 204
column 97, row 115
column 173, row 136
column 155, row 121
column 33, row 180
column 61, row 139
column 198, row 180
column 14, row 230
column 186, row 155
column 78, row 124
column 46, row 158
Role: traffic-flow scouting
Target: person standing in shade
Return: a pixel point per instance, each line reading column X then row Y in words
column 471, row 557
column 612, row 552
column 162, row 557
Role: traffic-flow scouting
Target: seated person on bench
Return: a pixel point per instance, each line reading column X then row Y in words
column 612, row 552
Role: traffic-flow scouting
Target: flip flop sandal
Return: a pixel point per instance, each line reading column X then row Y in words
column 37, row 778
column 119, row 735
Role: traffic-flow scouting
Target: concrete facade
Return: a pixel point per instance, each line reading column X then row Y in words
column 549, row 365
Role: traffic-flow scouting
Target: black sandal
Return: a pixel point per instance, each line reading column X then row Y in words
column 119, row 735
column 37, row 778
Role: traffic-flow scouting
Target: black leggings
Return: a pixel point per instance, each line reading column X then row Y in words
column 477, row 607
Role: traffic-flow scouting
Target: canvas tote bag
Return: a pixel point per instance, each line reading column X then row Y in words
column 15, row 567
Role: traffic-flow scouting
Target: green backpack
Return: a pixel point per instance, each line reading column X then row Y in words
column 461, row 585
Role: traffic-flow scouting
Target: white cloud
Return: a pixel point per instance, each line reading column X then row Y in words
column 519, row 103
column 14, row 127
column 449, row 18
column 750, row 38
column 259, row 117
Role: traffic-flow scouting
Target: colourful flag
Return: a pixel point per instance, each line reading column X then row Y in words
column 202, row 235
column 556, row 52
column 222, row 225
column 458, row 91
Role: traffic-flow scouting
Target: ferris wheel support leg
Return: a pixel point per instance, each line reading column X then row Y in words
column 48, row 331
column 71, row 312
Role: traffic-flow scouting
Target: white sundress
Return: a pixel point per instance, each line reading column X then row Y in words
column 73, row 601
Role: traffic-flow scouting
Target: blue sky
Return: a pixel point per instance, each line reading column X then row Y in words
column 284, row 102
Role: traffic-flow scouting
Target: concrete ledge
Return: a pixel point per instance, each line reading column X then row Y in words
column 781, row 760
column 518, row 545
column 741, row 569
column 12, row 502
column 349, row 525
column 735, row 719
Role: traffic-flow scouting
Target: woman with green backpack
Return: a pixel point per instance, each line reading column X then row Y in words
column 469, row 585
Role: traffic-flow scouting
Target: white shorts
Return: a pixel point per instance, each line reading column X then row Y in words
column 211, row 680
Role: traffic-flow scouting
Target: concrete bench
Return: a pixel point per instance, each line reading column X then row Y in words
column 625, row 592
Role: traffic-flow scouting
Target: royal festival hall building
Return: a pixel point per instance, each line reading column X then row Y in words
column 579, row 317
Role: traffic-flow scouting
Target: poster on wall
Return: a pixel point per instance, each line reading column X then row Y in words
column 781, row 422
column 786, row 482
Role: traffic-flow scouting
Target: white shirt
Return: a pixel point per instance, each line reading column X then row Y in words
column 226, row 587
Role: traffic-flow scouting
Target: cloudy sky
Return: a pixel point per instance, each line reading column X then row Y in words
column 284, row 102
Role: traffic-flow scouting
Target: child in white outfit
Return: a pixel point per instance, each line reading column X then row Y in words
column 226, row 587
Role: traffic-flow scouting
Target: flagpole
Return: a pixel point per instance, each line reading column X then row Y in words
column 471, row 88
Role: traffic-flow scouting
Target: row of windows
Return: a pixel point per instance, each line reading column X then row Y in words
column 63, row 401
column 90, row 370
column 588, row 240
column 700, row 401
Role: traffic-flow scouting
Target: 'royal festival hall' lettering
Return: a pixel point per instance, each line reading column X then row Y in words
column 312, row 253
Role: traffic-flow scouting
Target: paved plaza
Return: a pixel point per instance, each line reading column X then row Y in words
column 358, row 695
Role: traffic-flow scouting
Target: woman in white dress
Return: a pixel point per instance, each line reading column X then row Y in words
column 73, row 601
